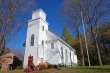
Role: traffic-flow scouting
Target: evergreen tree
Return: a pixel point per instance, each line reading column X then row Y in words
column 66, row 36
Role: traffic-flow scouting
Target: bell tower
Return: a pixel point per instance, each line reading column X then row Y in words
column 36, row 36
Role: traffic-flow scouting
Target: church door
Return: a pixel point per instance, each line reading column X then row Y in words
column 30, row 61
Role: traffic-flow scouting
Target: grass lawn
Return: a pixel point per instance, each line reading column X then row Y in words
column 92, row 69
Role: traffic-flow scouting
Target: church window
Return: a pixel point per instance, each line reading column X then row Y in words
column 32, row 40
column 42, row 42
column 70, row 56
column 42, row 28
column 66, row 55
column 62, row 52
column 73, row 56
column 52, row 45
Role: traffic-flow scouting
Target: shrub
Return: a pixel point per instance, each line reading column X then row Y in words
column 41, row 67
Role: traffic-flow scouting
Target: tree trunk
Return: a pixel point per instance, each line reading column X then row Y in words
column 96, row 44
column 85, row 40
column 2, row 46
column 82, row 53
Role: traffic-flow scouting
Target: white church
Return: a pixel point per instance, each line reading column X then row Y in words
column 43, row 44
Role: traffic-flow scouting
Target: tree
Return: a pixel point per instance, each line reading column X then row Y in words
column 66, row 36
column 71, row 10
column 103, row 36
column 78, row 45
column 85, row 38
column 11, row 12
column 103, row 40
column 93, row 11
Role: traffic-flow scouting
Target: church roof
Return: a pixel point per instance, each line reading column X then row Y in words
column 55, row 37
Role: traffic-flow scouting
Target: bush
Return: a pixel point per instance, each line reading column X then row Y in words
column 46, row 66
column 41, row 67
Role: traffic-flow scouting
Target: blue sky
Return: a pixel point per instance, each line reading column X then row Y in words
column 52, row 9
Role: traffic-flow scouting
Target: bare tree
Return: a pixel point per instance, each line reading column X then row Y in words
column 72, row 12
column 11, row 12
column 85, row 39
column 93, row 12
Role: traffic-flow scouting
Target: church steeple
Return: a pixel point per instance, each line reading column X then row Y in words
column 39, row 14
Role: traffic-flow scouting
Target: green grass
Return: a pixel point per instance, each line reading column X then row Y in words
column 95, row 67
column 86, row 69
column 89, row 69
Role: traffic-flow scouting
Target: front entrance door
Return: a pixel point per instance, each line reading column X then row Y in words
column 30, row 61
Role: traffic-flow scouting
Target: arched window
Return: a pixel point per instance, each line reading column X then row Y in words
column 32, row 40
